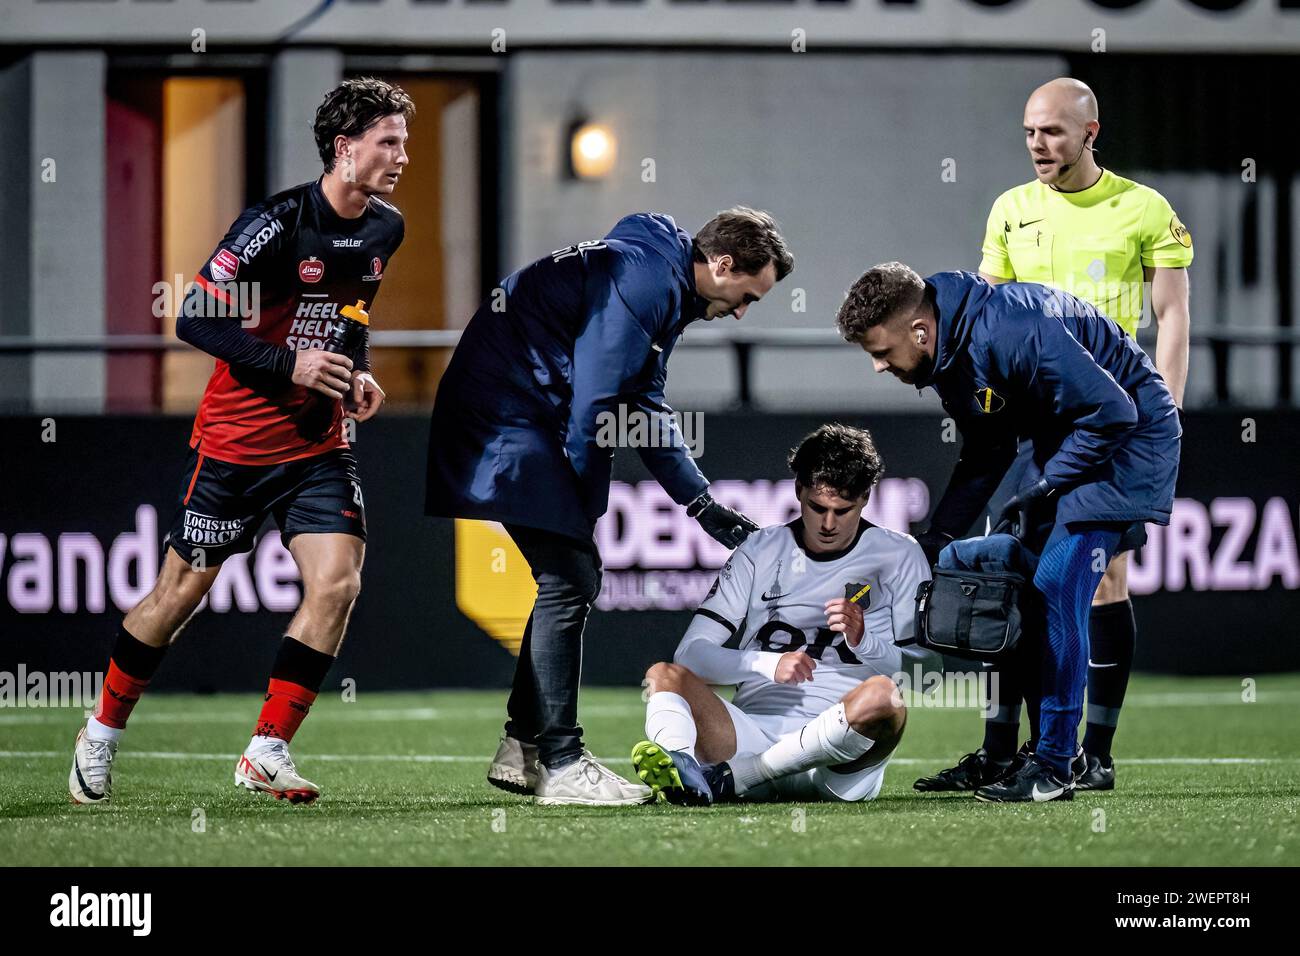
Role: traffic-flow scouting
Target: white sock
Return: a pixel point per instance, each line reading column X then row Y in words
column 825, row 740
column 669, row 722
column 97, row 731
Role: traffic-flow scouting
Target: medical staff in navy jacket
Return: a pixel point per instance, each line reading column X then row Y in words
column 514, row 439
column 1023, row 360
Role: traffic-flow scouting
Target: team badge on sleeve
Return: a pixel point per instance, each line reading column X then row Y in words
column 224, row 266
column 1180, row 233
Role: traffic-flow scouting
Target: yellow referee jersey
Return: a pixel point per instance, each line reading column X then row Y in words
column 1093, row 243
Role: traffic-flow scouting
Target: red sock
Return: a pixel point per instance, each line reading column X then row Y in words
column 119, row 696
column 285, row 709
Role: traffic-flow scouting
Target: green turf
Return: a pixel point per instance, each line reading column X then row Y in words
column 440, row 811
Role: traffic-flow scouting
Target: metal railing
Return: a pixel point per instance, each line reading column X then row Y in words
column 743, row 343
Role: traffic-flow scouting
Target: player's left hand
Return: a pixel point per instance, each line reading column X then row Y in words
column 364, row 398
column 846, row 617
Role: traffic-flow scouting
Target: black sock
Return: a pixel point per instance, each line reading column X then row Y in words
column 130, row 668
column 1029, row 659
column 1001, row 738
column 134, row 657
column 1002, row 726
column 1033, row 708
column 299, row 664
column 1112, row 634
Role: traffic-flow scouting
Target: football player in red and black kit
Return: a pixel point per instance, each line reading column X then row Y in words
column 272, row 304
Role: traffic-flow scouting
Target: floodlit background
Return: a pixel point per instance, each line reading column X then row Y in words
column 131, row 153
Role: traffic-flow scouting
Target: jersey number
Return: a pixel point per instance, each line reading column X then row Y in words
column 795, row 639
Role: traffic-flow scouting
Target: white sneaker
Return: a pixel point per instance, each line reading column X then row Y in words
column 268, row 768
column 514, row 768
column 587, row 783
column 91, row 780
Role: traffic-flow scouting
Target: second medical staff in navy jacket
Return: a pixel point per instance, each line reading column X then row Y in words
column 514, row 439
column 1023, row 360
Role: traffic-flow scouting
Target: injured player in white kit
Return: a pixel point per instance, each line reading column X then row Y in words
column 806, row 619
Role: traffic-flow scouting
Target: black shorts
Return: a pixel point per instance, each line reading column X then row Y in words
column 222, row 505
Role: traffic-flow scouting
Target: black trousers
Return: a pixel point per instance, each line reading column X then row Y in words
column 543, row 705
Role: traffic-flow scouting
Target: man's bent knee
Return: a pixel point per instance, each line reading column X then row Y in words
column 667, row 677
column 176, row 595
column 876, row 705
column 337, row 592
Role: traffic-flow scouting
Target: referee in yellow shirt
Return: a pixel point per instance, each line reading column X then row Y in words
column 1098, row 236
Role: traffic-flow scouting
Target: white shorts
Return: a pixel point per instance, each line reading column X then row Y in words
column 756, row 732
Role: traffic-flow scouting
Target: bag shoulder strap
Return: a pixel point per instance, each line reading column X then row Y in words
column 964, row 611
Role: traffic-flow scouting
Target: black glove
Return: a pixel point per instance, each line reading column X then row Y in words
column 932, row 542
column 1017, row 506
column 727, row 527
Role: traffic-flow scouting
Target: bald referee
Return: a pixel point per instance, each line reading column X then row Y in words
column 1081, row 228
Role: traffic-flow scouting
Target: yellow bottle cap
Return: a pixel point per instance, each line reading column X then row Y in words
column 356, row 313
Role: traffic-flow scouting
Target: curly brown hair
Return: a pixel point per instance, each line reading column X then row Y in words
column 751, row 237
column 353, row 107
column 881, row 292
column 839, row 457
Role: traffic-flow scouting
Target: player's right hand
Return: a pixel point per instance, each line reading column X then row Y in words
column 794, row 667
column 326, row 372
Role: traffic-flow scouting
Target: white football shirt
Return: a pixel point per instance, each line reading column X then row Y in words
column 770, row 597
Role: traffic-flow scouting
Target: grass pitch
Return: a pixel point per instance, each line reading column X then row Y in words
column 1204, row 778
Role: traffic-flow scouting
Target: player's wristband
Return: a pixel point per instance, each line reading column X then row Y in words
column 764, row 664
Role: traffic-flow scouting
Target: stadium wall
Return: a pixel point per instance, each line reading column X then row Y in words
column 864, row 155
column 1217, row 592
column 871, row 156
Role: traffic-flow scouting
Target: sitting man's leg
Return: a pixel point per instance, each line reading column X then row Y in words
column 686, row 724
column 857, row 734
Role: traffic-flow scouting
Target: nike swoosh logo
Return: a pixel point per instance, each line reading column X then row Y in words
column 84, row 787
column 772, row 597
column 1092, row 663
column 269, row 776
column 1041, row 796
column 1030, row 223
